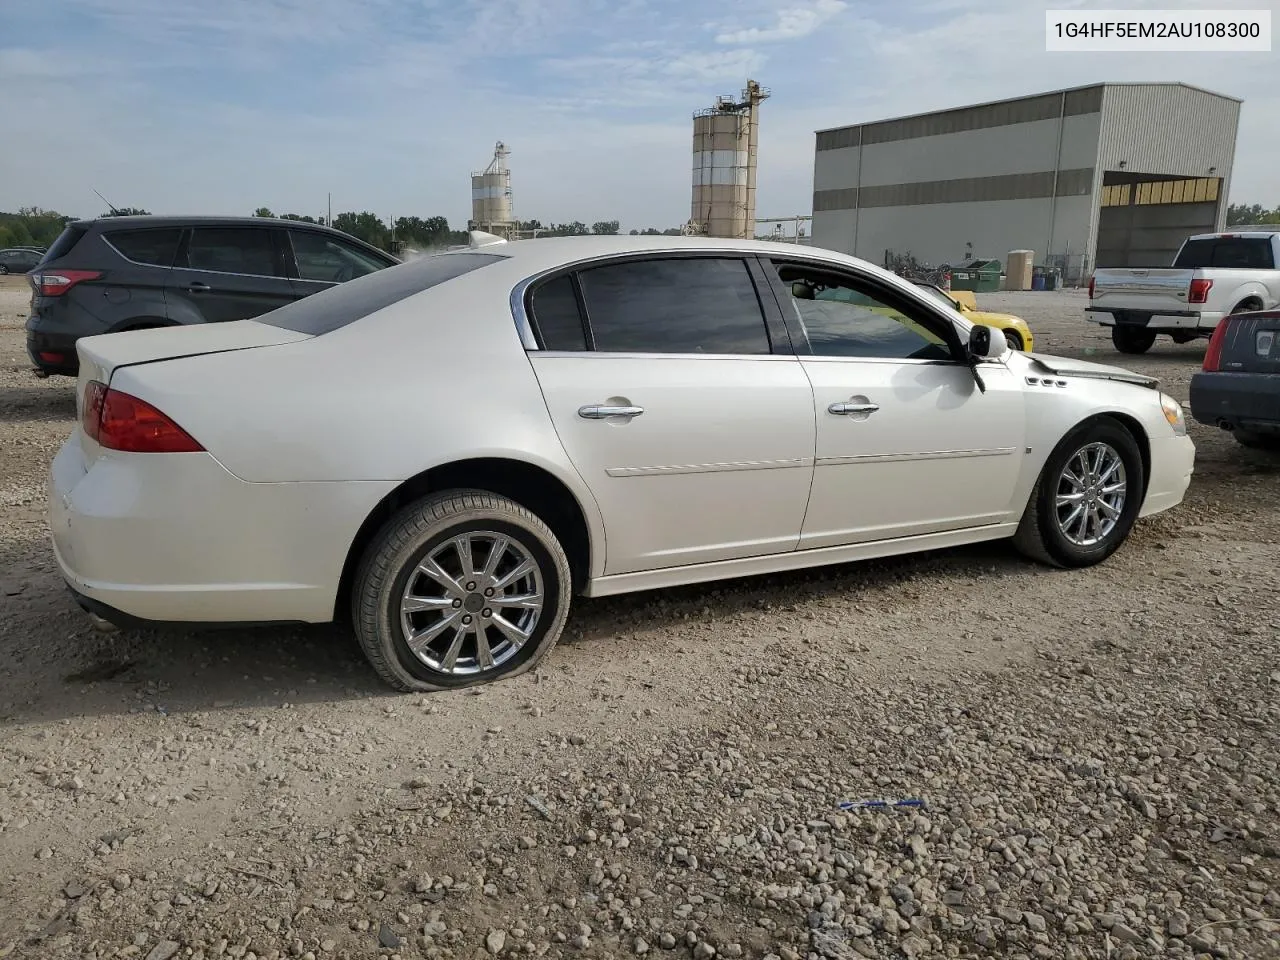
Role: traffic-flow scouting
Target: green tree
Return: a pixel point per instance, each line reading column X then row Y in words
column 304, row 218
column 263, row 212
column 1239, row 214
column 128, row 212
column 605, row 228
column 31, row 227
column 364, row 226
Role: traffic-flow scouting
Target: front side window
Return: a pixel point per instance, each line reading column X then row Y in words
column 675, row 305
column 243, row 250
column 844, row 318
column 321, row 257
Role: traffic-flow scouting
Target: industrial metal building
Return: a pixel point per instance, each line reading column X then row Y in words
column 1109, row 175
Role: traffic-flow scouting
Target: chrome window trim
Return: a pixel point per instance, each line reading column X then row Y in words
column 106, row 238
column 606, row 354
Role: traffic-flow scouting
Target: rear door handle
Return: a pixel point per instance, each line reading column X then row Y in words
column 598, row 412
column 198, row 288
column 849, row 409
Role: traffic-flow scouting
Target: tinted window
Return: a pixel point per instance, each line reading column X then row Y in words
column 697, row 305
column 842, row 319
column 248, row 250
column 322, row 257
column 556, row 316
column 157, row 247
column 348, row 302
column 1247, row 253
column 67, row 240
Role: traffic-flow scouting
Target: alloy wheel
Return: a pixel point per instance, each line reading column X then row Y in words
column 1091, row 494
column 471, row 603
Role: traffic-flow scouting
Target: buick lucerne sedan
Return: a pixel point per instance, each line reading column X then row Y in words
column 446, row 452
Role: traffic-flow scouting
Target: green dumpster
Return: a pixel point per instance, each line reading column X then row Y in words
column 979, row 275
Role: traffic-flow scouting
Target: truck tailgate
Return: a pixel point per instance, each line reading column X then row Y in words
column 1141, row 289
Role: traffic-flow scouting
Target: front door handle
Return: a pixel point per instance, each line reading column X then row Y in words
column 599, row 412
column 852, row 409
column 198, row 288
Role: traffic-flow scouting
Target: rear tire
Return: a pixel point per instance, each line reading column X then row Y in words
column 1132, row 339
column 1049, row 531
column 3, row 270
column 1256, row 441
column 431, row 573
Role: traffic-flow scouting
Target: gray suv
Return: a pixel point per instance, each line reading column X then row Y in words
column 129, row 273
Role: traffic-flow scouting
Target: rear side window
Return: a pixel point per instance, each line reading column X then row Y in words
column 1243, row 253
column 348, row 302
column 244, row 250
column 556, row 316
column 156, row 247
column 66, row 241
column 678, row 305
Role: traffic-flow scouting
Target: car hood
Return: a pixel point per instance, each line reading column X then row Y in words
column 1062, row 367
column 990, row 319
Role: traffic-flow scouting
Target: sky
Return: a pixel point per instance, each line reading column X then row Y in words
column 223, row 106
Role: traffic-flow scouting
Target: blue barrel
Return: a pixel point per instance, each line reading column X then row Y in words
column 1037, row 282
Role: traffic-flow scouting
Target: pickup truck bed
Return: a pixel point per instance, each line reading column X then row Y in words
column 1213, row 276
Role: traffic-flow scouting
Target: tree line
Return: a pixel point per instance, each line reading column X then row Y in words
column 34, row 227
column 1239, row 214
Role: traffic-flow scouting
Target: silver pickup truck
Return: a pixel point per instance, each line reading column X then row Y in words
column 1213, row 275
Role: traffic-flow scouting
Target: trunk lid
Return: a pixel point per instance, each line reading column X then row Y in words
column 1251, row 343
column 101, row 355
column 1156, row 288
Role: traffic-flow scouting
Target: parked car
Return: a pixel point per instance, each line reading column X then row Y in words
column 1238, row 388
column 1214, row 275
column 448, row 451
column 1015, row 329
column 134, row 273
column 19, row 260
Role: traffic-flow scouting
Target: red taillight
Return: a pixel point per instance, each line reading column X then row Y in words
column 1213, row 355
column 54, row 283
column 1199, row 291
column 120, row 421
column 1092, row 284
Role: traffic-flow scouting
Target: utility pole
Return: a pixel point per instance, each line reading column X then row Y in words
column 329, row 220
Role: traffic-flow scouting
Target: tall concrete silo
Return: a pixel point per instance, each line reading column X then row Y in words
column 491, row 196
column 725, row 144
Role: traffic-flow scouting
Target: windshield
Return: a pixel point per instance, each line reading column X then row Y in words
column 1245, row 253
column 937, row 295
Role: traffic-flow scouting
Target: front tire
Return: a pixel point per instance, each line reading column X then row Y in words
column 1087, row 498
column 4, row 271
column 459, row 589
column 1132, row 339
column 1014, row 339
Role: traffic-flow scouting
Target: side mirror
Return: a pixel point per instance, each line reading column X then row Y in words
column 987, row 343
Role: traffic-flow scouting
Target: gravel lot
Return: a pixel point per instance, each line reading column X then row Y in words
column 1096, row 752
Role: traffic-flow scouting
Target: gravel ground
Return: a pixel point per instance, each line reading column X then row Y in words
column 1095, row 753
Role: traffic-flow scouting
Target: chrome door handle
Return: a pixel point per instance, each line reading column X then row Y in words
column 597, row 412
column 848, row 409
column 198, row 288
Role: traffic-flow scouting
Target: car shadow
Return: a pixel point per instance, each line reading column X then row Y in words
column 35, row 403
column 171, row 672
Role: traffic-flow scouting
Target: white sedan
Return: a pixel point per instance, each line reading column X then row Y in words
column 449, row 450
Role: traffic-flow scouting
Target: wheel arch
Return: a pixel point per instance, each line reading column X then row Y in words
column 1132, row 426
column 1252, row 301
column 142, row 323
column 529, row 485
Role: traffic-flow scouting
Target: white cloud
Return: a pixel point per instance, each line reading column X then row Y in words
column 792, row 23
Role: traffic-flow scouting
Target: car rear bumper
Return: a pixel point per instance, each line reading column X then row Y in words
column 1160, row 320
column 53, row 353
column 1172, row 463
column 176, row 538
column 1249, row 400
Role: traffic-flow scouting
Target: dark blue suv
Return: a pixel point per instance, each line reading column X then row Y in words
column 129, row 273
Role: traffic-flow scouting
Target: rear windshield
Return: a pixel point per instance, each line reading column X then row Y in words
column 67, row 239
column 348, row 302
column 1246, row 253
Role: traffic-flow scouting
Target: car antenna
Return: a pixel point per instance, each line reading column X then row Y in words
column 113, row 207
